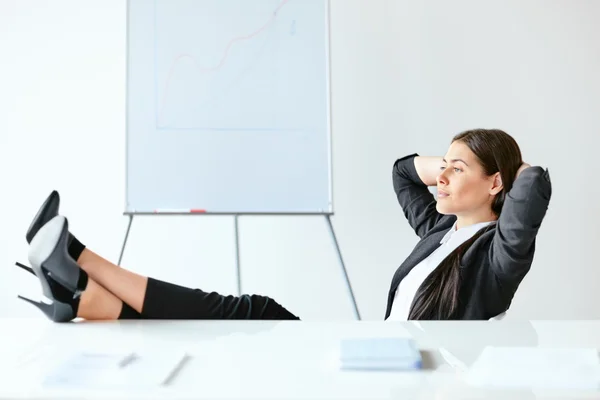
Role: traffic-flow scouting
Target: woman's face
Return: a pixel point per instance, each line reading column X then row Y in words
column 462, row 185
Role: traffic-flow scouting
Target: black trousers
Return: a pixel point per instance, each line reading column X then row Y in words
column 169, row 301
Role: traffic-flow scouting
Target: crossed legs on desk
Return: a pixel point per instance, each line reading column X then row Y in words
column 114, row 292
column 84, row 284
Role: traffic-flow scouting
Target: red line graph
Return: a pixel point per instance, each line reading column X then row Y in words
column 222, row 61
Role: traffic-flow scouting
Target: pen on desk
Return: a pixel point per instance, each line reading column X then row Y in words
column 127, row 360
column 176, row 370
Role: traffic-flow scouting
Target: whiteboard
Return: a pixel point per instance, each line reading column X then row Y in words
column 228, row 107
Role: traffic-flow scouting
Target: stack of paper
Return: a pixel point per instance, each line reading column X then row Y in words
column 536, row 368
column 117, row 370
column 379, row 354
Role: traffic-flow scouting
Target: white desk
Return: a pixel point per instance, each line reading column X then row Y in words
column 281, row 360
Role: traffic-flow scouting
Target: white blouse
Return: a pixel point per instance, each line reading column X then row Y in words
column 408, row 287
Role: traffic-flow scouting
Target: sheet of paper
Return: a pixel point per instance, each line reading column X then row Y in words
column 117, row 370
column 536, row 367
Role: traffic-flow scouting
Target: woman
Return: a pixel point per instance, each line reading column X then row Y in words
column 477, row 243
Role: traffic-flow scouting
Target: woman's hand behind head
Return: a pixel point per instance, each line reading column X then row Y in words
column 522, row 168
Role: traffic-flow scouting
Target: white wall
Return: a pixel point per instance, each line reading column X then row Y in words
column 406, row 77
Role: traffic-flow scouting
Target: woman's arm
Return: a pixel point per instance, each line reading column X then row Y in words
column 524, row 208
column 411, row 176
column 428, row 169
column 522, row 168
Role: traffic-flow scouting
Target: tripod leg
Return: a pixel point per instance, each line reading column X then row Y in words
column 237, row 256
column 126, row 237
column 339, row 253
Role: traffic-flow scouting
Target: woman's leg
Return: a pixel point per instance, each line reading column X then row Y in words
column 126, row 285
column 156, row 299
column 97, row 303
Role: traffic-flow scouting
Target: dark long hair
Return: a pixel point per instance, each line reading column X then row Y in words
column 439, row 296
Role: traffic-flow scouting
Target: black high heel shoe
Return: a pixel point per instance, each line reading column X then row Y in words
column 47, row 211
column 62, row 280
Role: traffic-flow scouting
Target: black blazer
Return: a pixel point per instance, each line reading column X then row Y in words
column 497, row 262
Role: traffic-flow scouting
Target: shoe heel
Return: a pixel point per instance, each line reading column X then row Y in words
column 26, row 268
column 45, row 308
column 57, row 311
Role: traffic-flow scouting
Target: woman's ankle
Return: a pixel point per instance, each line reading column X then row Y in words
column 76, row 248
